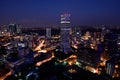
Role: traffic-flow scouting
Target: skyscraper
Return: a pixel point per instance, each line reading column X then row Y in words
column 48, row 32
column 65, row 33
column 19, row 29
column 13, row 28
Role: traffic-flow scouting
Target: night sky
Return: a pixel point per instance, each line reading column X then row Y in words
column 42, row 13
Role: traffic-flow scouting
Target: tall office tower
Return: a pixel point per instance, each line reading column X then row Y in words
column 65, row 33
column 13, row 28
column 48, row 32
column 18, row 29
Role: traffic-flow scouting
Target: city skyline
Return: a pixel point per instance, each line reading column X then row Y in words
column 45, row 13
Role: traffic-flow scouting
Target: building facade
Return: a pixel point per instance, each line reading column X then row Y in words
column 48, row 32
column 65, row 33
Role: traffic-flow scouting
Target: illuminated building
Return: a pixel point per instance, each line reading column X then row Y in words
column 76, row 34
column 19, row 30
column 112, row 66
column 65, row 33
column 48, row 32
column 22, row 49
column 3, row 29
column 13, row 28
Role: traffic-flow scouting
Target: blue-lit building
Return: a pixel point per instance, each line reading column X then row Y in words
column 48, row 32
column 22, row 48
column 65, row 33
column 110, row 66
column 13, row 28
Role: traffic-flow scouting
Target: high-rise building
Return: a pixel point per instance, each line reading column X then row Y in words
column 110, row 66
column 13, row 28
column 65, row 33
column 48, row 32
column 18, row 29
